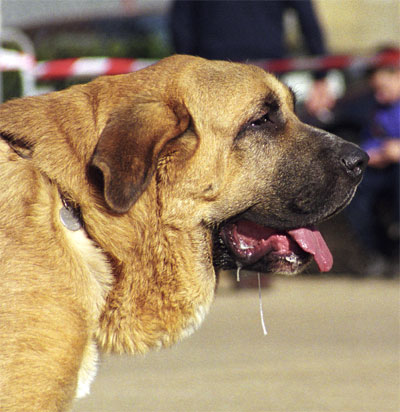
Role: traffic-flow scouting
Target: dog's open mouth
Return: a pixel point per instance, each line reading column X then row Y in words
column 256, row 247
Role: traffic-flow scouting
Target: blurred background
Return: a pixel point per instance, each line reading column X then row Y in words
column 334, row 339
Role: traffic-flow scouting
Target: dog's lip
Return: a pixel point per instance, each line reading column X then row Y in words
column 250, row 242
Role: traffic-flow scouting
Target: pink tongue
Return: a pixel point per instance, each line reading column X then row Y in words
column 311, row 241
column 264, row 239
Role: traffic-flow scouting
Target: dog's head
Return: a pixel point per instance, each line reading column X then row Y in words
column 215, row 145
column 226, row 149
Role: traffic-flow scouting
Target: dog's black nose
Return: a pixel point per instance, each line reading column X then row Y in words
column 354, row 160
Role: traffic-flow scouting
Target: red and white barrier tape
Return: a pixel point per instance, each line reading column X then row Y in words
column 11, row 60
column 96, row 66
column 391, row 58
column 88, row 67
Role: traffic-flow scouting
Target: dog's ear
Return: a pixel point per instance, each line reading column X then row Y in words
column 16, row 124
column 129, row 146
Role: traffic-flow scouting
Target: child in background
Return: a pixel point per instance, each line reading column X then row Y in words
column 381, row 139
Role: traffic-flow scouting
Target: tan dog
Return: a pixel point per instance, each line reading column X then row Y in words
column 120, row 198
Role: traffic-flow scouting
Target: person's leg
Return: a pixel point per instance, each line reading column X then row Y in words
column 360, row 212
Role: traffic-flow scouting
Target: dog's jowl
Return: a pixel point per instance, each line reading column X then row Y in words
column 121, row 198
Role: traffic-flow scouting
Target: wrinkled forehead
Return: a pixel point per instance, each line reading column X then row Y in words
column 232, row 91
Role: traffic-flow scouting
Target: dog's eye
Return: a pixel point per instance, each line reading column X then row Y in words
column 261, row 121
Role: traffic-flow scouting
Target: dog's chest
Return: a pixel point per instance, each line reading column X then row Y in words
column 194, row 323
column 96, row 280
column 88, row 370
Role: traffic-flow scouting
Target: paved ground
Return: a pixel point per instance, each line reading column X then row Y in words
column 332, row 345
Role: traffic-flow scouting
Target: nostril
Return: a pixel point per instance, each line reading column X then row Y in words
column 355, row 162
column 352, row 163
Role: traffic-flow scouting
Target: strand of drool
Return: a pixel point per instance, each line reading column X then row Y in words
column 239, row 267
column 261, row 308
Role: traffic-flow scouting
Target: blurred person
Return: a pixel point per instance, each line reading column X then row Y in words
column 248, row 30
column 381, row 139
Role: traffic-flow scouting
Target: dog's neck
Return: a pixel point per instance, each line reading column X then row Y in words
column 160, row 294
column 162, row 287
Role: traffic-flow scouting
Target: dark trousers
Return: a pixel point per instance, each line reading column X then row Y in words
column 375, row 204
